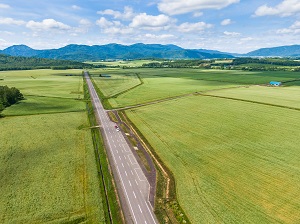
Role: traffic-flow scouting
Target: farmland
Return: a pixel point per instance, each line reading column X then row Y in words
column 48, row 168
column 163, row 83
column 233, row 151
column 235, row 162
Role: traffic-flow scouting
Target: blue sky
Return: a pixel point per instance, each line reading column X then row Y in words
column 226, row 25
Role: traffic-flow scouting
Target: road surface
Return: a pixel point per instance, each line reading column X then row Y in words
column 134, row 184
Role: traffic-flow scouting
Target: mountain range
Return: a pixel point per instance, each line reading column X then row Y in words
column 139, row 51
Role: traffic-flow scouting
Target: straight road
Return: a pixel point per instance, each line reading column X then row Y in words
column 134, row 184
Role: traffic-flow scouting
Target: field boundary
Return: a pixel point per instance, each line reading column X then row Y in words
column 250, row 101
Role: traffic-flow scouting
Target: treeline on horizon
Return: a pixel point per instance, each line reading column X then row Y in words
column 237, row 63
column 9, row 96
column 28, row 63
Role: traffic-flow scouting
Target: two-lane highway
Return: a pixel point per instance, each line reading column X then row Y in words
column 134, row 184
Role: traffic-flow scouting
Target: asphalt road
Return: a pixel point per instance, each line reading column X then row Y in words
column 134, row 184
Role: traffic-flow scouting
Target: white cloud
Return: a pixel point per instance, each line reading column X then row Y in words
column 76, row 7
column 226, row 22
column 85, row 22
column 198, row 14
column 103, row 23
column 11, row 21
column 231, row 33
column 175, row 7
column 293, row 29
column 47, row 24
column 128, row 13
column 4, row 6
column 193, row 27
column 143, row 20
column 285, row 8
column 156, row 37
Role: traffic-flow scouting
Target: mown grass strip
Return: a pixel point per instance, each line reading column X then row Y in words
column 111, row 203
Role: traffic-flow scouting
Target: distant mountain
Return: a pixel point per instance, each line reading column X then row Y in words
column 114, row 51
column 20, row 50
column 282, row 51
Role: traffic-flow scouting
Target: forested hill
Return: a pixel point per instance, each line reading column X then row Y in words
column 114, row 51
column 26, row 63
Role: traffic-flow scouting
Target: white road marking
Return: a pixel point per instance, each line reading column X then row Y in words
column 120, row 157
column 132, row 159
column 141, row 175
column 123, row 165
column 136, row 182
column 126, row 173
column 134, row 194
column 131, row 172
column 129, row 183
column 117, row 151
column 140, row 208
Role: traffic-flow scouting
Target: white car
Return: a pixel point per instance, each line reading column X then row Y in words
column 117, row 128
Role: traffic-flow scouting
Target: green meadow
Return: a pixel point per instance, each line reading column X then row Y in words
column 234, row 153
column 48, row 170
column 233, row 161
column 164, row 83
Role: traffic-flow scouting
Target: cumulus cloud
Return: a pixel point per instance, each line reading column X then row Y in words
column 175, row 7
column 128, row 13
column 192, row 27
column 11, row 21
column 47, row 24
column 113, row 27
column 147, row 21
column 156, row 37
column 198, row 14
column 231, row 33
column 285, row 8
column 226, row 22
column 293, row 29
column 4, row 6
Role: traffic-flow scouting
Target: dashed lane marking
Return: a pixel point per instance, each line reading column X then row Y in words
column 140, row 174
column 132, row 159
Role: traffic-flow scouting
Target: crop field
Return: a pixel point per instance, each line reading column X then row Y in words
column 117, row 83
column 233, row 161
column 48, row 170
column 282, row 96
column 163, row 83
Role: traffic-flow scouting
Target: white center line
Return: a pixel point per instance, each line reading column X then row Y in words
column 140, row 208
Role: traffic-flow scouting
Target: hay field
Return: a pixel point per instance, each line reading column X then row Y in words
column 115, row 84
column 233, row 161
column 163, row 83
column 283, row 96
column 48, row 170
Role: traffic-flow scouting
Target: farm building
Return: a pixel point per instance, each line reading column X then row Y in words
column 104, row 75
column 273, row 83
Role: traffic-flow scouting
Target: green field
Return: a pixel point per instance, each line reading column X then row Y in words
column 282, row 96
column 117, row 83
column 163, row 83
column 233, row 161
column 48, row 170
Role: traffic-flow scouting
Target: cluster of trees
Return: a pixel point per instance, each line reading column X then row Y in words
column 266, row 61
column 9, row 96
column 27, row 63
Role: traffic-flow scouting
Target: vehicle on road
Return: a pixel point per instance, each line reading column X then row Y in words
column 117, row 128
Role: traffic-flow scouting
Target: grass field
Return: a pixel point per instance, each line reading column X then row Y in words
column 283, row 96
column 233, row 161
column 164, row 83
column 117, row 83
column 48, row 170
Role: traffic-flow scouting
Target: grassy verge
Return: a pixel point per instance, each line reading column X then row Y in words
column 104, row 99
column 167, row 208
column 111, row 205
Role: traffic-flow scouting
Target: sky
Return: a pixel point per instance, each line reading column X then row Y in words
column 235, row 26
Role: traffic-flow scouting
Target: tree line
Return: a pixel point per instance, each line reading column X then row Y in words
column 9, row 96
column 28, row 63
